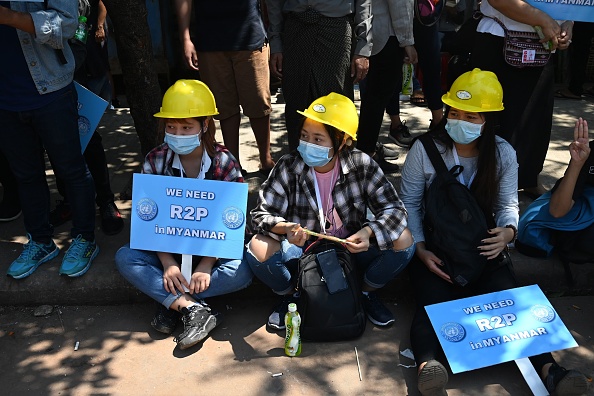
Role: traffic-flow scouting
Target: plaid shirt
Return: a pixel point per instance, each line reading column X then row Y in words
column 223, row 167
column 288, row 195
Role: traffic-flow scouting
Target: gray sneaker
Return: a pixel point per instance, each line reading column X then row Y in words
column 387, row 153
column 199, row 320
column 401, row 135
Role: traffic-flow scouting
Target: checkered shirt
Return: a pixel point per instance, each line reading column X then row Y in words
column 288, row 195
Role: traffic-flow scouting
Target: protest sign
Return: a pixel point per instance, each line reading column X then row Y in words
column 188, row 216
column 90, row 110
column 572, row 10
column 498, row 327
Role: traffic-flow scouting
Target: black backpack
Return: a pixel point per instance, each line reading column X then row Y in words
column 454, row 223
column 325, row 315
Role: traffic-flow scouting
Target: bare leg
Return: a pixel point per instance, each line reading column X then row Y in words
column 261, row 128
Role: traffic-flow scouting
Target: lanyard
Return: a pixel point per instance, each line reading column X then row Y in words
column 460, row 176
column 318, row 197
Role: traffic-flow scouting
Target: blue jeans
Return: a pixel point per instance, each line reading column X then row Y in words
column 23, row 136
column 379, row 266
column 144, row 270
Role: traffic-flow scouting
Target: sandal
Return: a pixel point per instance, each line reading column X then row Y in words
column 566, row 94
column 418, row 98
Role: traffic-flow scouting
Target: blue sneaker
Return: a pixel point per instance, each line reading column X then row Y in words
column 34, row 254
column 77, row 259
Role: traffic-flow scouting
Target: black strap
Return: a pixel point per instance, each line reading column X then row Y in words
column 433, row 153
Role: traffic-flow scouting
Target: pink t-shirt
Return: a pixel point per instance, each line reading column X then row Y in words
column 326, row 182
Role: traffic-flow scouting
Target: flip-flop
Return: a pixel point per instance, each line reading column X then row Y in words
column 566, row 94
column 418, row 99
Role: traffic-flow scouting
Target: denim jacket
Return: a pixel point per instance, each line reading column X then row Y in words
column 54, row 25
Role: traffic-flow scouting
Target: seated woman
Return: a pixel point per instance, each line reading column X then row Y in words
column 189, row 150
column 326, row 186
column 466, row 137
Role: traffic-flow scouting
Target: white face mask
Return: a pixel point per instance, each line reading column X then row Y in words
column 463, row 132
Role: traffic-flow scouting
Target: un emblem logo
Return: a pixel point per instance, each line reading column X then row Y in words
column 453, row 331
column 84, row 125
column 233, row 218
column 146, row 209
column 542, row 313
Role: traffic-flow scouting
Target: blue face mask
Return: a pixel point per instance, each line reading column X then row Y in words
column 463, row 132
column 313, row 154
column 182, row 144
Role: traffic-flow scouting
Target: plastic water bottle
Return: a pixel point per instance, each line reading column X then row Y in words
column 81, row 33
column 293, row 338
column 407, row 76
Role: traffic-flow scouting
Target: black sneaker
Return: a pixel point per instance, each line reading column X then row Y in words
column 386, row 166
column 276, row 320
column 376, row 311
column 432, row 379
column 9, row 212
column 198, row 322
column 61, row 214
column 561, row 381
column 401, row 135
column 387, row 152
column 165, row 320
column 111, row 219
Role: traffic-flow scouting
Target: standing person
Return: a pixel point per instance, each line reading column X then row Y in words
column 326, row 186
column 578, row 61
column 190, row 151
column 392, row 32
column 467, row 137
column 93, row 74
column 311, row 45
column 527, row 119
column 231, row 51
column 38, row 109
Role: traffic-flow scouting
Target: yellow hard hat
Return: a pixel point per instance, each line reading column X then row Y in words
column 188, row 99
column 335, row 110
column 477, row 91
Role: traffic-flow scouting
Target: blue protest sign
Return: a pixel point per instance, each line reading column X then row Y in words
column 90, row 110
column 571, row 10
column 188, row 216
column 498, row 327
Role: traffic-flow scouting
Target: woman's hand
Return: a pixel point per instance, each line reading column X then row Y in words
column 565, row 35
column 295, row 234
column 200, row 281
column 173, row 279
column 494, row 245
column 359, row 241
column 432, row 262
column 580, row 147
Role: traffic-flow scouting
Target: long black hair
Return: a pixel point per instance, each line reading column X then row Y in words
column 485, row 185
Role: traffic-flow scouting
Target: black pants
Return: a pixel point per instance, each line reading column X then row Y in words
column 383, row 78
column 528, row 98
column 9, row 183
column 97, row 164
column 431, row 289
column 579, row 51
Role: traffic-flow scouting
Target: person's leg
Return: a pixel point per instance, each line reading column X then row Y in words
column 252, row 75
column 381, row 82
column 429, row 289
column 216, row 70
column 60, row 138
column 10, row 206
column 380, row 267
column 428, row 50
column 227, row 276
column 579, row 51
column 22, row 147
column 272, row 262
